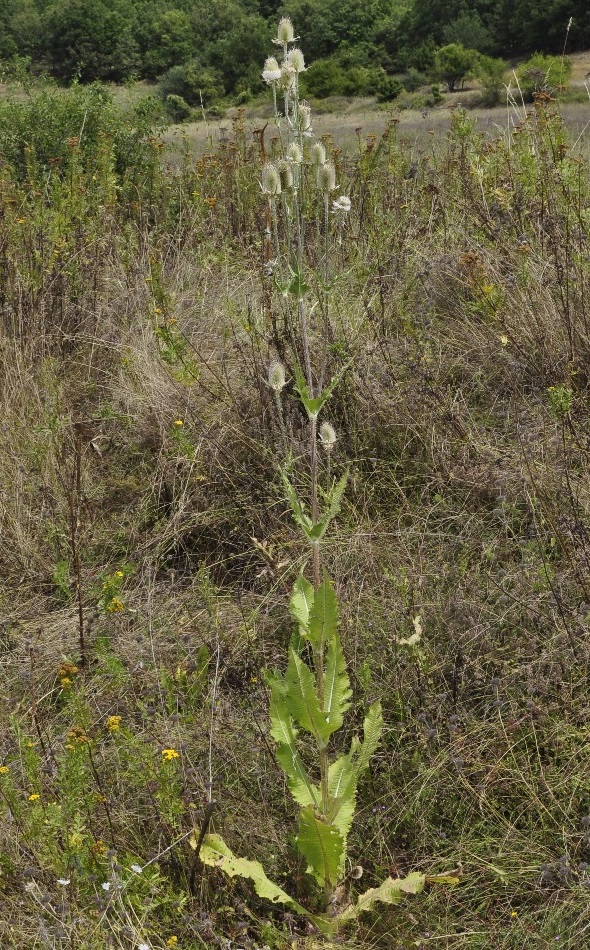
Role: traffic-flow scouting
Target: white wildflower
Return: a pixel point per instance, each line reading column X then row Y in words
column 285, row 32
column 288, row 77
column 304, row 117
column 106, row 885
column 296, row 61
column 272, row 71
column 326, row 177
column 271, row 180
column 137, row 868
column 327, row 435
column 317, row 153
column 294, row 154
column 342, row 203
column 64, row 881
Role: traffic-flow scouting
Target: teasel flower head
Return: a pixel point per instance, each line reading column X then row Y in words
column 326, row 178
column 271, row 180
column 294, row 154
column 272, row 71
column 317, row 153
column 286, row 174
column 295, row 60
column 288, row 77
column 285, row 32
column 276, row 376
column 303, row 117
column 327, row 436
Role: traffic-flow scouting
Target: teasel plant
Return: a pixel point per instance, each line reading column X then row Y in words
column 314, row 693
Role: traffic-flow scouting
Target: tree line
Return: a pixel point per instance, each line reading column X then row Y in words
column 225, row 41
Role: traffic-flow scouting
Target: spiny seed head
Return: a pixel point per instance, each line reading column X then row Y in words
column 286, row 173
column 326, row 177
column 271, row 180
column 303, row 117
column 276, row 376
column 272, row 71
column 327, row 435
column 294, row 154
column 317, row 153
column 296, row 61
column 285, row 32
column 288, row 77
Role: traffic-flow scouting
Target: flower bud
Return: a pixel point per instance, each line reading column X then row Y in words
column 326, row 177
column 327, row 435
column 296, row 61
column 303, row 117
column 285, row 32
column 317, row 153
column 276, row 376
column 294, row 154
column 271, row 180
column 286, row 174
column 272, row 70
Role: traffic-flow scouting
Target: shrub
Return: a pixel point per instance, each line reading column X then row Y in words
column 543, row 73
column 192, row 82
column 491, row 74
column 452, row 63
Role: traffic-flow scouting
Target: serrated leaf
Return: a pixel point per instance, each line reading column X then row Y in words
column 389, row 892
column 323, row 616
column 303, row 520
column 337, row 691
column 372, row 728
column 302, row 699
column 301, row 603
column 302, row 789
column 215, row 853
column 342, row 782
column 322, row 846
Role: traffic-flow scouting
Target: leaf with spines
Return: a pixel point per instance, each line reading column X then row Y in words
column 372, row 729
column 215, row 853
column 301, row 603
column 302, row 700
column 302, row 519
column 342, row 783
column 389, row 892
column 284, row 733
column 314, row 404
column 321, row 845
column 323, row 616
column 337, row 691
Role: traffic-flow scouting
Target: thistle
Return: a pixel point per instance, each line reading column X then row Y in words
column 313, row 694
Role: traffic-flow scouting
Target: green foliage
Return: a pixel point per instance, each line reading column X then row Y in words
column 492, row 76
column 452, row 63
column 542, row 73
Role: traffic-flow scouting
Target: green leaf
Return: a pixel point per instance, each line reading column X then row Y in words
column 372, row 727
column 303, row 520
column 298, row 287
column 323, row 617
column 312, row 404
column 301, row 603
column 216, row 854
column 342, row 782
column 284, row 733
column 337, row 691
column 302, row 699
column 322, row 846
column 389, row 892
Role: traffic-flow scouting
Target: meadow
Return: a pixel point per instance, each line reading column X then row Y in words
column 149, row 550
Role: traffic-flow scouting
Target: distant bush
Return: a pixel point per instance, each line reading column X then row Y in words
column 491, row 74
column 177, row 107
column 192, row 82
column 389, row 88
column 543, row 73
column 331, row 77
column 414, row 79
column 452, row 63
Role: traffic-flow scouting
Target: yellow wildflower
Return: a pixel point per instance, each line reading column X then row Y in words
column 178, row 423
column 34, row 797
column 113, row 723
column 65, row 681
column 169, row 754
column 504, row 340
column 119, row 574
column 172, row 941
column 4, row 769
column 115, row 605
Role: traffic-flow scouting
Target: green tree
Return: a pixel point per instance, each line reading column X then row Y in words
column 491, row 74
column 168, row 42
column 452, row 63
